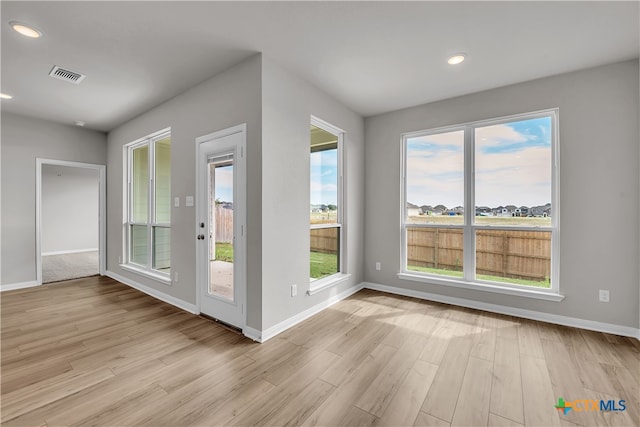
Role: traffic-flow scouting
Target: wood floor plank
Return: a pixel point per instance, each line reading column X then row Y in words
column 472, row 408
column 358, row 352
column 506, row 390
column 97, row 352
column 382, row 390
column 537, row 393
column 498, row 421
column 529, row 340
column 266, row 407
column 404, row 408
column 35, row 396
column 484, row 338
column 356, row 417
column 235, row 404
column 443, row 394
column 426, row 420
column 334, row 409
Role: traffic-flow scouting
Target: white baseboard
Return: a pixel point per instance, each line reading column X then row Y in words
column 591, row 325
column 191, row 308
column 21, row 285
column 271, row 332
column 251, row 333
column 75, row 251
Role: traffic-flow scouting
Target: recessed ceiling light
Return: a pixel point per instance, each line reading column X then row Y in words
column 26, row 30
column 5, row 96
column 456, row 59
column 79, row 123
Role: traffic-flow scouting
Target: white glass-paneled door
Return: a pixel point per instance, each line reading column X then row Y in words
column 221, row 229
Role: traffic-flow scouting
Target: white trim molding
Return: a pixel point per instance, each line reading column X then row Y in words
column 530, row 292
column 21, row 285
column 574, row 322
column 327, row 282
column 177, row 302
column 262, row 336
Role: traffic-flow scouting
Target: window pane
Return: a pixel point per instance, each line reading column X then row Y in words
column 325, row 252
column 221, row 215
column 139, row 244
column 435, row 179
column 140, row 184
column 162, row 249
column 513, row 173
column 516, row 257
column 435, row 250
column 324, row 177
column 163, row 180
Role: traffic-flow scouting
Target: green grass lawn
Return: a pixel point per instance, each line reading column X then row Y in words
column 536, row 283
column 323, row 265
column 224, row 252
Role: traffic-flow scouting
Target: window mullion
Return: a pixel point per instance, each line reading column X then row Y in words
column 151, row 204
column 469, row 256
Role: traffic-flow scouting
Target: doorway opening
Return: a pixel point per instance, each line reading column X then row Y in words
column 70, row 238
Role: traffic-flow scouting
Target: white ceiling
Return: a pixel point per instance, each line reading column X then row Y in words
column 372, row 56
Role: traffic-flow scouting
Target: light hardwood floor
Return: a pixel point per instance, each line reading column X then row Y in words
column 96, row 352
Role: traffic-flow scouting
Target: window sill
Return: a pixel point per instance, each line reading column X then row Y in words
column 327, row 282
column 159, row 277
column 485, row 287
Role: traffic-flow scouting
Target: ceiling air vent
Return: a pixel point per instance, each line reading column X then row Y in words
column 66, row 75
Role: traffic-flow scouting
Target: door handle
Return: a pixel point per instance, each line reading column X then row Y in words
column 200, row 237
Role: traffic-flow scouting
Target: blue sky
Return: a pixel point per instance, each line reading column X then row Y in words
column 224, row 183
column 324, row 177
column 512, row 166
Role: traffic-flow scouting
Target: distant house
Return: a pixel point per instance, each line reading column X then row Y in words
column 413, row 210
column 483, row 211
column 540, row 211
column 426, row 209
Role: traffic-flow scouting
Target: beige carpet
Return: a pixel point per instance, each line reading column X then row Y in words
column 69, row 266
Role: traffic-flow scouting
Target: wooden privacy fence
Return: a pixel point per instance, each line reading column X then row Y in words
column 504, row 253
column 224, row 225
column 325, row 240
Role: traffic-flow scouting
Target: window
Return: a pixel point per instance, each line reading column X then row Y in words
column 325, row 201
column 480, row 202
column 148, row 205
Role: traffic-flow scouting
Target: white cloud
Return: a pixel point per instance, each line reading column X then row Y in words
column 522, row 178
column 491, row 136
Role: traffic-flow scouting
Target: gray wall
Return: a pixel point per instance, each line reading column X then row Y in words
column 599, row 187
column 70, row 200
column 225, row 100
column 288, row 103
column 23, row 140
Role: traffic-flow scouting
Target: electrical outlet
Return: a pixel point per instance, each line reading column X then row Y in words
column 175, row 276
column 603, row 295
column 294, row 290
column 119, row 260
column 176, row 201
column 188, row 201
column 378, row 266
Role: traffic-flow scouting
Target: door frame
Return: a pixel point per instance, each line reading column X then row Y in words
column 102, row 211
column 240, row 185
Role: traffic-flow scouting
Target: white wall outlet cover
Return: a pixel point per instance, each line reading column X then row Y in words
column 189, row 201
column 603, row 295
column 176, row 202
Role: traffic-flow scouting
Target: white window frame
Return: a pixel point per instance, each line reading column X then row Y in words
column 469, row 281
column 145, row 270
column 318, row 285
